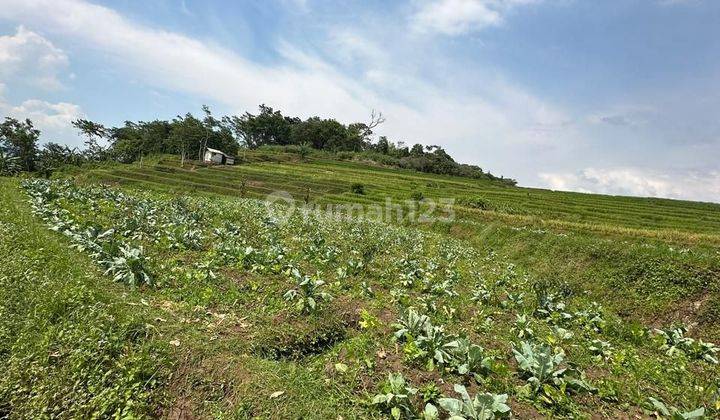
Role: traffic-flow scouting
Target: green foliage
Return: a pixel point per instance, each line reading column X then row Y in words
column 9, row 164
column 357, row 188
column 482, row 407
column 475, row 203
column 522, row 327
column 471, row 359
column 122, row 261
column 396, row 397
column 129, row 267
column 221, row 267
column 675, row 414
column 68, row 348
column 307, row 293
column 19, row 139
column 540, row 366
column 411, row 324
column 673, row 340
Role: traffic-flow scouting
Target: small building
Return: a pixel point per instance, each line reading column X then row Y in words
column 218, row 157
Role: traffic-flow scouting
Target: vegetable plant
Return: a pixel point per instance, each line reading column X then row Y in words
column 674, row 413
column 396, row 397
column 307, row 293
column 484, row 406
column 129, row 267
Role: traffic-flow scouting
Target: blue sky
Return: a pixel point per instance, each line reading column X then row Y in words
column 617, row 97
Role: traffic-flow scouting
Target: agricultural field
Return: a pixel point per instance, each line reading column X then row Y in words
column 168, row 291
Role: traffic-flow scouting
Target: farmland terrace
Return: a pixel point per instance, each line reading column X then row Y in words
column 175, row 291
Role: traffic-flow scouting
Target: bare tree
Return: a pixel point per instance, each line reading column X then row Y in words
column 375, row 120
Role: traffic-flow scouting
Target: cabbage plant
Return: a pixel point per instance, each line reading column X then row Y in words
column 539, row 364
column 410, row 324
column 307, row 293
column 675, row 414
column 129, row 266
column 396, row 397
column 470, row 359
column 482, row 407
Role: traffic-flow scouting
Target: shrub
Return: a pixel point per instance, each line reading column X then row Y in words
column 357, row 188
column 344, row 155
column 417, row 195
column 475, row 203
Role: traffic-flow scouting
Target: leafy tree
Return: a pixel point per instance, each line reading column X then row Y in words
column 320, row 134
column 19, row 139
column 53, row 155
column 268, row 127
column 94, row 132
column 9, row 165
column 417, row 150
column 383, row 145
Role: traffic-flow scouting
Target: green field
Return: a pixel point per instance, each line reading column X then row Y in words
column 328, row 181
column 168, row 291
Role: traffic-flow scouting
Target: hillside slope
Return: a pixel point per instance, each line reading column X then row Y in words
column 324, row 180
column 652, row 259
column 173, row 296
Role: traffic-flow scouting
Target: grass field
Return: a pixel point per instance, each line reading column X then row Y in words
column 161, row 291
column 326, row 180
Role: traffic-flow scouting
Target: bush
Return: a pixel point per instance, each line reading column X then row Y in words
column 357, row 188
column 475, row 203
column 417, row 195
column 345, row 155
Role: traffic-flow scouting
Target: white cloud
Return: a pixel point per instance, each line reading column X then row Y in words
column 454, row 17
column 177, row 62
column 303, row 84
column 701, row 185
column 31, row 56
column 52, row 119
column 351, row 47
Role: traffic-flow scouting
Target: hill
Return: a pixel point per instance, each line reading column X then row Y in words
column 161, row 290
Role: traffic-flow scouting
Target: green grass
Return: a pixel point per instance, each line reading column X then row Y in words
column 214, row 337
column 329, row 181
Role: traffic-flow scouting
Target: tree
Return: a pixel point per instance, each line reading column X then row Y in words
column 209, row 123
column 53, row 155
column 9, row 165
column 268, row 127
column 320, row 134
column 93, row 131
column 186, row 134
column 417, row 150
column 19, row 139
column 383, row 145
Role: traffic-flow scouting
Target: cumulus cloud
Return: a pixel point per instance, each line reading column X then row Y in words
column 33, row 57
column 454, row 17
column 701, row 185
column 52, row 119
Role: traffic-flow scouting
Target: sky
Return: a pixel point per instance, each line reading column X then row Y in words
column 613, row 97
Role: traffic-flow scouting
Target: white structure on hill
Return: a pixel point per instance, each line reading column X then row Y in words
column 218, row 157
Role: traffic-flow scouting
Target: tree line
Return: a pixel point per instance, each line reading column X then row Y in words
column 188, row 136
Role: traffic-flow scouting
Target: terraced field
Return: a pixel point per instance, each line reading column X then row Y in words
column 328, row 181
column 136, row 291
